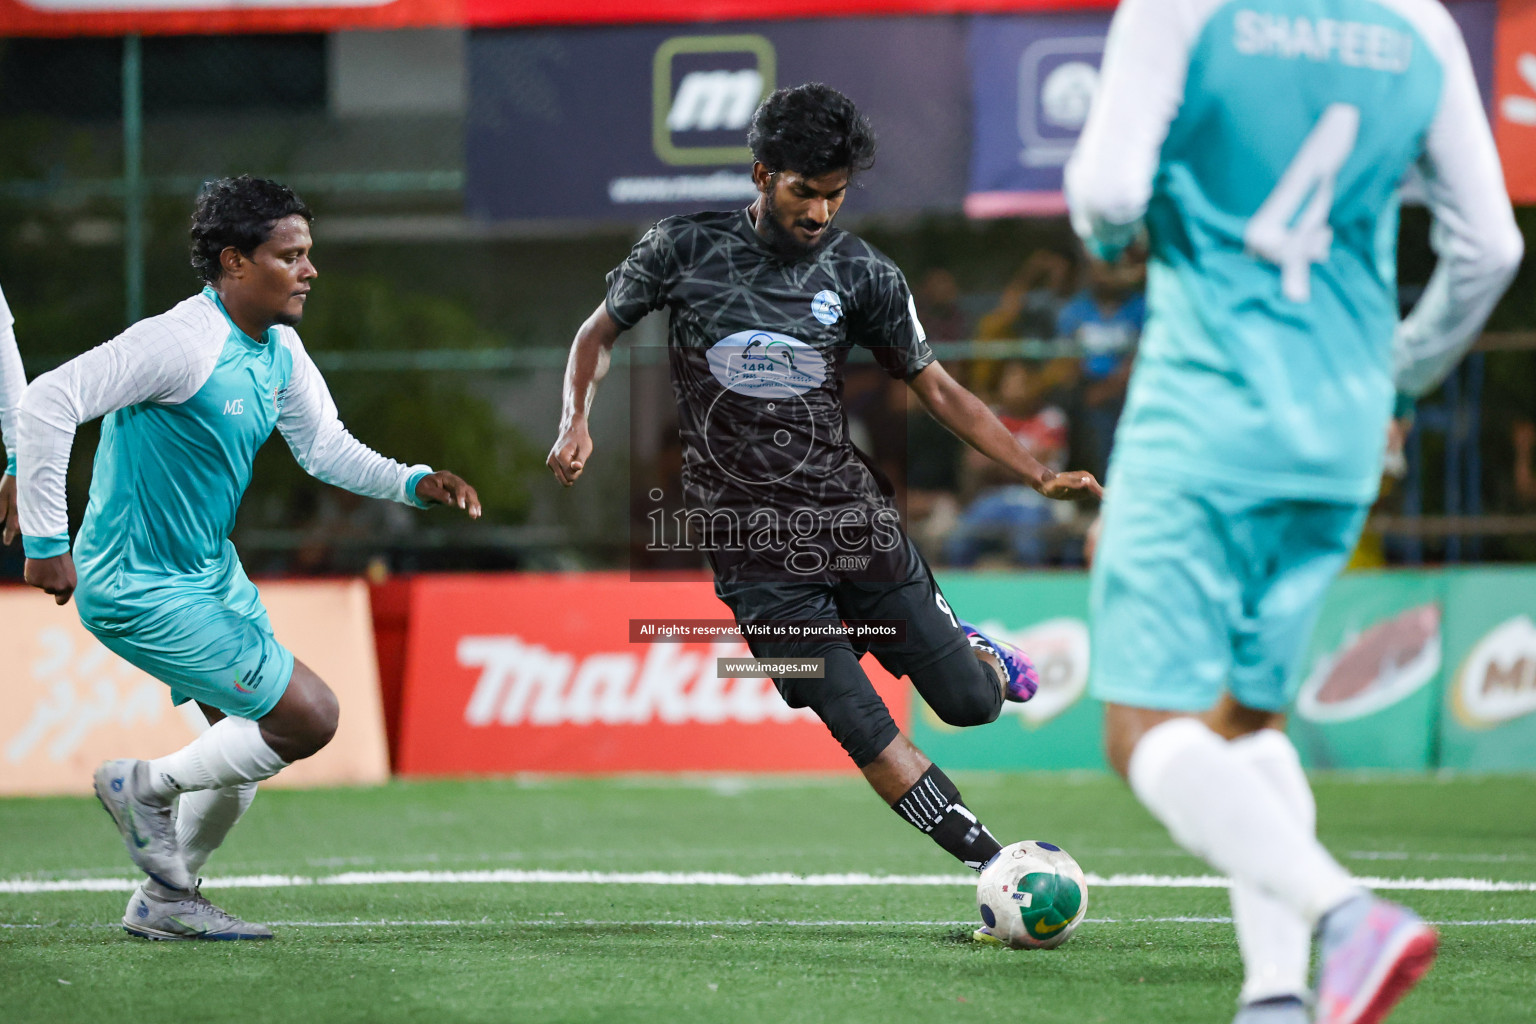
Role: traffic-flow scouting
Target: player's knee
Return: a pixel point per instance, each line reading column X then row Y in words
column 862, row 727
column 313, row 713
column 324, row 718
column 967, row 693
column 970, row 707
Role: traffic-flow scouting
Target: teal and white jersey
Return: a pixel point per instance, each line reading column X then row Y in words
column 13, row 380
column 188, row 399
column 1263, row 143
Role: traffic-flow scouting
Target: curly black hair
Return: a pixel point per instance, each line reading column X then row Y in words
column 238, row 212
column 811, row 129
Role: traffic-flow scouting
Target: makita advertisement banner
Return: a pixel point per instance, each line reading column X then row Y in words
column 72, row 704
column 542, row 674
column 633, row 124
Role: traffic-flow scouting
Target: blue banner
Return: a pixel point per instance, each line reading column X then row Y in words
column 635, row 123
column 1032, row 80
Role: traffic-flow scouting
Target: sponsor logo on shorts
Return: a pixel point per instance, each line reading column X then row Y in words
column 252, row 679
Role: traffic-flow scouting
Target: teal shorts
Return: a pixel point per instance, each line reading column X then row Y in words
column 1194, row 591
column 208, row 638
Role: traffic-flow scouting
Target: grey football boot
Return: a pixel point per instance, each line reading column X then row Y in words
column 145, row 820
column 150, row 916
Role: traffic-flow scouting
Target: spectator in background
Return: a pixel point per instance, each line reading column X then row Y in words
column 1005, row 517
column 1106, row 319
column 1028, row 308
column 938, row 306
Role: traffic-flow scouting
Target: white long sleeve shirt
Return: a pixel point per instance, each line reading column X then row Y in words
column 188, row 399
column 13, row 380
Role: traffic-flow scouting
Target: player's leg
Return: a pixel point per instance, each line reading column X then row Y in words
column 846, row 702
column 1185, row 568
column 1276, row 943
column 963, row 684
column 236, row 749
column 222, row 653
column 962, row 673
column 1371, row 951
column 205, row 817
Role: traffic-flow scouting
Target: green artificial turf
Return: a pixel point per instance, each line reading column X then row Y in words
column 598, row 951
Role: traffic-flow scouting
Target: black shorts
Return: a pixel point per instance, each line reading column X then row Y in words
column 934, row 654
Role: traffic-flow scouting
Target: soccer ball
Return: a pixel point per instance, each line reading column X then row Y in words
column 1032, row 895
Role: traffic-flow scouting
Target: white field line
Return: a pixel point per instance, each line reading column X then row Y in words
column 736, row 923
column 706, row 878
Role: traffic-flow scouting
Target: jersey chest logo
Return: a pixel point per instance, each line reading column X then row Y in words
column 827, row 307
column 764, row 364
column 234, row 407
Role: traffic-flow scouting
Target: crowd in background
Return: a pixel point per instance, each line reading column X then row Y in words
column 961, row 508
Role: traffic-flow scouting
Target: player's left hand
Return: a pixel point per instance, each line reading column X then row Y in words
column 1075, row 483
column 445, row 488
column 10, row 526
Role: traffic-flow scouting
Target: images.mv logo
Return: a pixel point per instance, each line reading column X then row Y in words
column 704, row 90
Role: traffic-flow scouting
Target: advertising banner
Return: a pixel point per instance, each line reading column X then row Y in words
column 1032, row 81
column 210, row 17
column 1488, row 718
column 1045, row 614
column 1514, row 113
column 542, row 674
column 73, row 704
column 1033, row 78
column 194, row 17
column 633, row 124
column 1370, row 685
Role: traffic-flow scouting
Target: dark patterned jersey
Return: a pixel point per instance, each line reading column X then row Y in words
column 757, row 349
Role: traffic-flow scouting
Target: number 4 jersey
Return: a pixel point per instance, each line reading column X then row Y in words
column 1263, row 144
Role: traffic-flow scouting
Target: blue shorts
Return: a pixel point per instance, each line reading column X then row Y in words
column 1195, row 590
column 208, row 638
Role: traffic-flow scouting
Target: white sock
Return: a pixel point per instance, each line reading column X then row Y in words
column 1276, row 943
column 205, row 816
column 1220, row 808
column 230, row 752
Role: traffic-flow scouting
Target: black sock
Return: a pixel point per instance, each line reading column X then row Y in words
column 933, row 804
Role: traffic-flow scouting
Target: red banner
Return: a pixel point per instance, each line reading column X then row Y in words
column 213, row 17
column 537, row 673
column 1514, row 107
column 203, row 17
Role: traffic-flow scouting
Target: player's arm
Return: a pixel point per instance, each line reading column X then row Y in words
column 1108, row 180
column 968, row 418
column 635, row 287
column 591, row 354
column 13, row 380
column 1474, row 232
column 142, row 364
column 326, row 449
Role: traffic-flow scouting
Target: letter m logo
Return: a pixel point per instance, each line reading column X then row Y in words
column 705, row 88
column 234, row 407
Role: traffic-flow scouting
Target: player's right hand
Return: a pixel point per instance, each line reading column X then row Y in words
column 54, row 576
column 10, row 526
column 569, row 455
